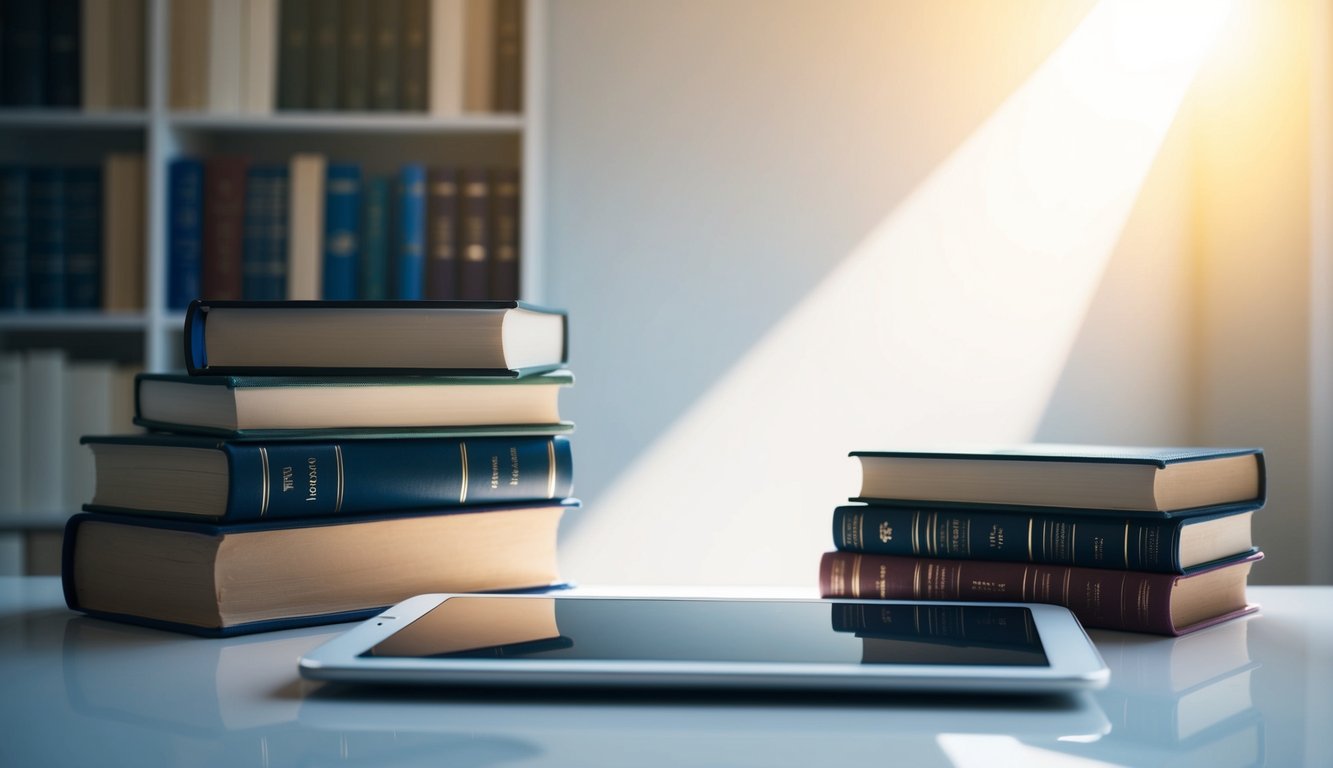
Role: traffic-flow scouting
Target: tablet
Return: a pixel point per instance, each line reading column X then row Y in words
column 569, row 640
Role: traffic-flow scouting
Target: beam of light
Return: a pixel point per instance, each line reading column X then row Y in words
column 950, row 322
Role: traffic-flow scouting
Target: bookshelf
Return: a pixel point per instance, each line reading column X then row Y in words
column 150, row 338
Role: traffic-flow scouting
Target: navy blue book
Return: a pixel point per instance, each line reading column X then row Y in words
column 46, row 238
column 218, row 580
column 83, row 238
column 373, row 272
column 342, row 224
column 62, row 54
column 264, row 258
column 185, row 230
column 24, row 42
column 1055, row 537
column 1159, row 480
column 13, row 238
column 409, row 258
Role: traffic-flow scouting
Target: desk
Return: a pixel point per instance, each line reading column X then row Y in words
column 78, row 691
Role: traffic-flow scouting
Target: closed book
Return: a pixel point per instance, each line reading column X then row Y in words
column 342, row 230
column 12, row 436
column 479, row 56
column 386, row 34
column 442, row 234
column 305, row 226
column 354, row 94
column 46, row 239
column 187, row 87
column 23, row 39
column 264, row 262
column 506, row 246
column 43, row 487
column 129, row 82
column 445, row 59
column 185, row 231
column 226, row 54
column 1055, row 537
column 412, row 84
column 83, row 238
column 294, row 33
column 1133, row 601
column 279, row 406
column 13, row 238
column 231, row 579
column 259, row 63
column 325, row 56
column 509, row 56
column 97, row 54
column 373, row 273
column 123, row 246
column 224, row 226
column 474, row 258
column 239, row 481
column 1089, row 477
column 62, row 54
column 492, row 338
column 409, row 254
column 89, row 388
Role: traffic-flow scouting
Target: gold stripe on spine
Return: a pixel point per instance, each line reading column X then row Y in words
column 1126, row 543
column 856, row 576
column 916, row 581
column 1073, row 543
column 263, row 467
column 462, row 493
column 550, row 475
column 1024, row 589
column 1068, row 573
column 916, row 532
column 338, row 458
column 1030, row 558
column 1123, row 577
column 968, row 536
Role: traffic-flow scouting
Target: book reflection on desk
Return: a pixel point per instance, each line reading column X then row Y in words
column 478, row 628
column 938, row 634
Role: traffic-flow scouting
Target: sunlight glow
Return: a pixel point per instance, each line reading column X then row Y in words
column 950, row 322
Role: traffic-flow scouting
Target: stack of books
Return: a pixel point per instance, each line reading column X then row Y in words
column 323, row 460
column 1152, row 540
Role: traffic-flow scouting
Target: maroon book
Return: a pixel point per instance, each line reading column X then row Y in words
column 224, row 227
column 442, row 234
column 474, row 264
column 1134, row 601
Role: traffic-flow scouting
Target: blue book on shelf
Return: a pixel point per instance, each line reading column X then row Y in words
column 13, row 238
column 264, row 255
column 410, row 254
column 185, row 230
column 62, row 53
column 46, row 238
column 83, row 238
column 373, row 282
column 342, row 225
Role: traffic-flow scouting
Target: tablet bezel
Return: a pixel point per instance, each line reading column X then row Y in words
column 1075, row 664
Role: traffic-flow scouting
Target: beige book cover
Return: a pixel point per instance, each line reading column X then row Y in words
column 479, row 56
column 123, row 233
column 305, row 227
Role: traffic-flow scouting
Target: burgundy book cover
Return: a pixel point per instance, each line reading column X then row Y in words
column 224, row 227
column 442, row 233
column 474, row 264
column 1133, row 601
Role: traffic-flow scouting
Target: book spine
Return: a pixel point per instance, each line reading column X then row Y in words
column 185, row 233
column 305, row 226
column 96, row 55
column 12, row 408
column 342, row 247
column 260, row 62
column 997, row 625
column 264, row 263
column 188, row 82
column 442, row 235
column 505, row 235
column 226, row 52
column 479, row 56
column 46, row 239
column 62, row 54
column 384, row 55
column 44, row 432
column 1063, row 539
column 355, row 93
column 409, row 261
column 325, row 57
column 83, row 246
column 474, row 264
column 13, row 238
column 1133, row 601
column 224, row 227
column 123, row 232
column 24, row 42
column 129, row 85
column 313, row 480
column 446, row 49
column 509, row 56
column 373, row 276
column 294, row 54
column 412, row 81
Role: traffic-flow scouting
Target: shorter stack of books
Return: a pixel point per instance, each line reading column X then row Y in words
column 324, row 460
column 1152, row 540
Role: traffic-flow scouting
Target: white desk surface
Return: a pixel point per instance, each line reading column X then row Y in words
column 78, row 691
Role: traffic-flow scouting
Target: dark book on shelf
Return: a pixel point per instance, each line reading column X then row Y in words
column 509, row 55
column 236, row 481
column 373, row 270
column 23, row 38
column 355, row 87
column 442, row 234
column 342, row 224
column 385, row 41
column 506, row 246
column 224, row 226
column 294, row 34
column 413, row 70
column 46, row 238
column 83, row 238
column 490, row 338
column 169, row 573
column 62, row 54
column 409, row 253
column 273, row 406
column 264, row 259
column 474, row 251
column 1162, row 480
column 185, row 230
column 13, row 238
column 1054, row 536
column 1134, row 601
column 325, row 56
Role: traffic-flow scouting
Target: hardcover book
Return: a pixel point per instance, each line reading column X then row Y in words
column 1087, row 477
column 505, row 234
column 409, row 254
column 185, row 233
column 219, row 580
column 294, row 33
column 442, row 234
column 495, row 338
column 46, row 239
column 342, row 225
column 224, row 226
column 373, row 274
column 83, row 238
column 264, row 261
column 13, row 238
column 474, row 263
column 385, row 42
column 355, row 91
column 325, row 56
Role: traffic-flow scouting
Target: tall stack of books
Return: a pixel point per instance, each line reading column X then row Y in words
column 322, row 460
column 1152, row 540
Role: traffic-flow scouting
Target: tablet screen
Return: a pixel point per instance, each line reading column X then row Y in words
column 720, row 631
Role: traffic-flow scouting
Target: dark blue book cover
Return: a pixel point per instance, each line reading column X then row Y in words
column 62, row 54
column 342, row 224
column 24, row 41
column 46, row 239
column 185, row 230
column 83, row 243
column 373, row 276
column 264, row 258
column 409, row 263
column 13, row 238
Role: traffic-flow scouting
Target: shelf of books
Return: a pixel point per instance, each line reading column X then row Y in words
column 154, row 151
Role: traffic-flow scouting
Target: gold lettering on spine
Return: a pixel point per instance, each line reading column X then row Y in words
column 916, row 581
column 856, row 576
column 916, row 532
column 462, row 493
column 263, row 463
column 550, row 476
column 1030, row 557
column 338, row 459
column 1126, row 543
